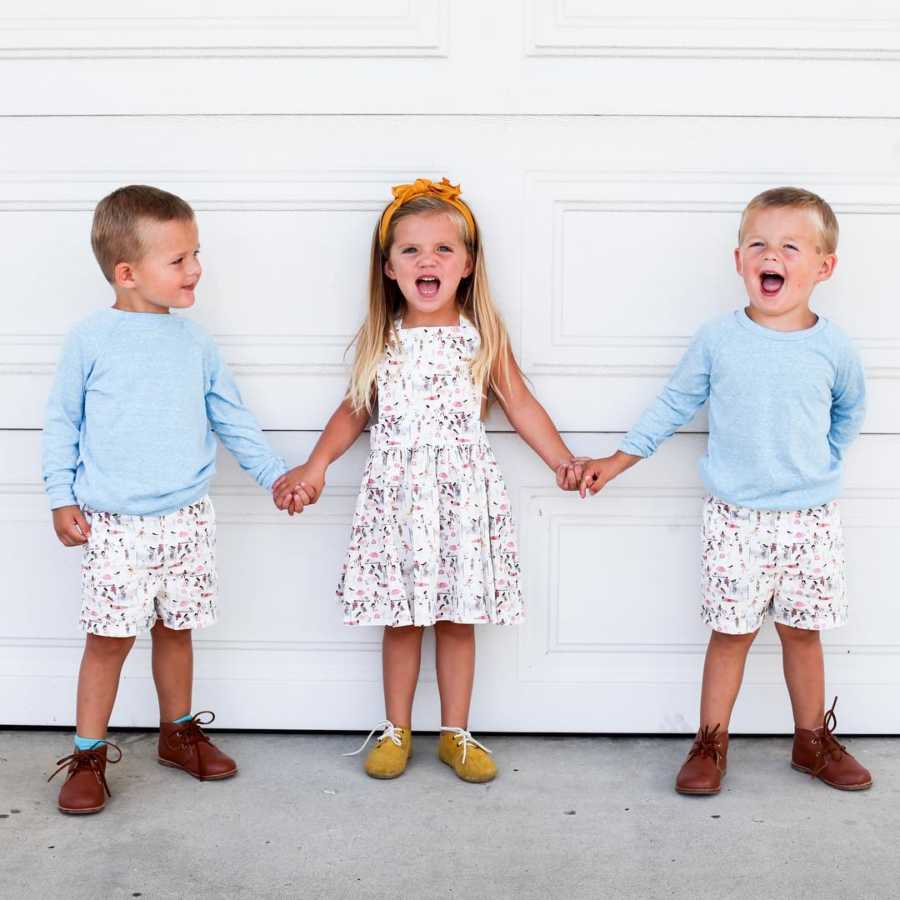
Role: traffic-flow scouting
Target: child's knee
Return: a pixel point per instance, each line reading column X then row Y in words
column 791, row 635
column 458, row 630
column 721, row 640
column 100, row 646
column 160, row 632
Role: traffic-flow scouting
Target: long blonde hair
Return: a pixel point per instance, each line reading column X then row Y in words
column 490, row 366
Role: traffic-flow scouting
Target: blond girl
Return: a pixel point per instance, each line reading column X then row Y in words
column 432, row 541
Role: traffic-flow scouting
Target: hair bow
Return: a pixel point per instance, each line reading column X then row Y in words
column 423, row 187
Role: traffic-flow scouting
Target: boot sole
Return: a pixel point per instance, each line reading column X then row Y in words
column 839, row 787
column 172, row 765
column 385, row 777
column 468, row 780
column 80, row 812
column 390, row 777
column 698, row 792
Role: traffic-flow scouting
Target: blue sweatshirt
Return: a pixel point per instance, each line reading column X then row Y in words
column 132, row 412
column 783, row 407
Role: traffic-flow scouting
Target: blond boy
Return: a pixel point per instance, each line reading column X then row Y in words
column 786, row 397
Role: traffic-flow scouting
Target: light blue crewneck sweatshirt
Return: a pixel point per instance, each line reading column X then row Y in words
column 783, row 407
column 132, row 415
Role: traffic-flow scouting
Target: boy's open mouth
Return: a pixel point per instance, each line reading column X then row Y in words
column 428, row 286
column 771, row 283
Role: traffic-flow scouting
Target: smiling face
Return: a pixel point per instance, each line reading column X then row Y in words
column 165, row 275
column 428, row 259
column 781, row 259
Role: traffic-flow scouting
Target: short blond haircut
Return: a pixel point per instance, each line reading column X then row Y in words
column 797, row 198
column 115, row 232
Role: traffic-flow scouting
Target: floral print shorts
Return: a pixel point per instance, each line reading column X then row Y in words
column 140, row 569
column 756, row 560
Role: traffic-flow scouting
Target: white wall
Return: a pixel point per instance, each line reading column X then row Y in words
column 607, row 159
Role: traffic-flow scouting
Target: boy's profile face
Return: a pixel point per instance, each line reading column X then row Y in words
column 165, row 276
column 781, row 259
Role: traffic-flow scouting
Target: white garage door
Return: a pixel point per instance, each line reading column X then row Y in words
column 607, row 159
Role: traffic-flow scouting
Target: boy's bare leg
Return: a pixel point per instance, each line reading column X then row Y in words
column 455, row 654
column 173, row 670
column 98, row 682
column 723, row 672
column 401, row 657
column 804, row 673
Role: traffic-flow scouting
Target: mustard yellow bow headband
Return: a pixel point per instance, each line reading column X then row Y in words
column 422, row 187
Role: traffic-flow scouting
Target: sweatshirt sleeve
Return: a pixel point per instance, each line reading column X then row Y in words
column 62, row 426
column 686, row 392
column 848, row 402
column 235, row 424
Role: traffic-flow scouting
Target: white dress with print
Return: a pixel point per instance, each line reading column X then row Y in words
column 432, row 537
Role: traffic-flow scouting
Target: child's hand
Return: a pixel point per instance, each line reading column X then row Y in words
column 301, row 486
column 70, row 526
column 569, row 474
column 595, row 474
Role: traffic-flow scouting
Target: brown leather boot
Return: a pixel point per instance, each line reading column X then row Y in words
column 85, row 789
column 705, row 765
column 824, row 757
column 185, row 746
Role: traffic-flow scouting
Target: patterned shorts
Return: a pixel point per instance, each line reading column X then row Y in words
column 140, row 569
column 754, row 560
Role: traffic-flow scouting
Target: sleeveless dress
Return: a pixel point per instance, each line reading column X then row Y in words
column 432, row 537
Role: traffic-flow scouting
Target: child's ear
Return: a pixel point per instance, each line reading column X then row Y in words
column 389, row 270
column 470, row 266
column 738, row 263
column 826, row 270
column 123, row 275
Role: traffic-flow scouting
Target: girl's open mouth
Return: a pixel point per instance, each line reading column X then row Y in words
column 428, row 286
column 771, row 283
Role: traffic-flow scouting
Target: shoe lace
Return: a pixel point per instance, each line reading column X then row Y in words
column 89, row 759
column 829, row 746
column 463, row 739
column 190, row 733
column 388, row 734
column 706, row 744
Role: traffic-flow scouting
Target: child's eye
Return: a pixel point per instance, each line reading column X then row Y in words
column 756, row 244
column 790, row 246
column 445, row 247
column 175, row 262
column 408, row 250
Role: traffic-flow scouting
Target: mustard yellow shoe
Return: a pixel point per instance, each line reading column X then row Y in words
column 467, row 757
column 389, row 756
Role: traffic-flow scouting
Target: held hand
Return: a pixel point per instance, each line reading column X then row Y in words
column 70, row 526
column 301, row 486
column 569, row 474
column 595, row 475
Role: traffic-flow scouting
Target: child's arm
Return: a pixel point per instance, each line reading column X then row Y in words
column 848, row 404
column 686, row 392
column 235, row 425
column 536, row 428
column 60, row 442
column 343, row 428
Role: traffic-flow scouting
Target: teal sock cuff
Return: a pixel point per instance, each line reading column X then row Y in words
column 186, row 718
column 87, row 743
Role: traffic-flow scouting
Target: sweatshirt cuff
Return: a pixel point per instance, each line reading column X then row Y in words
column 627, row 446
column 273, row 474
column 61, row 497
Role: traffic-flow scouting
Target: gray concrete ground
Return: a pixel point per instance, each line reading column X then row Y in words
column 568, row 817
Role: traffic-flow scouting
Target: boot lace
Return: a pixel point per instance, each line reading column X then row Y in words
column 389, row 734
column 92, row 760
column 706, row 744
column 830, row 748
column 190, row 733
column 464, row 739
